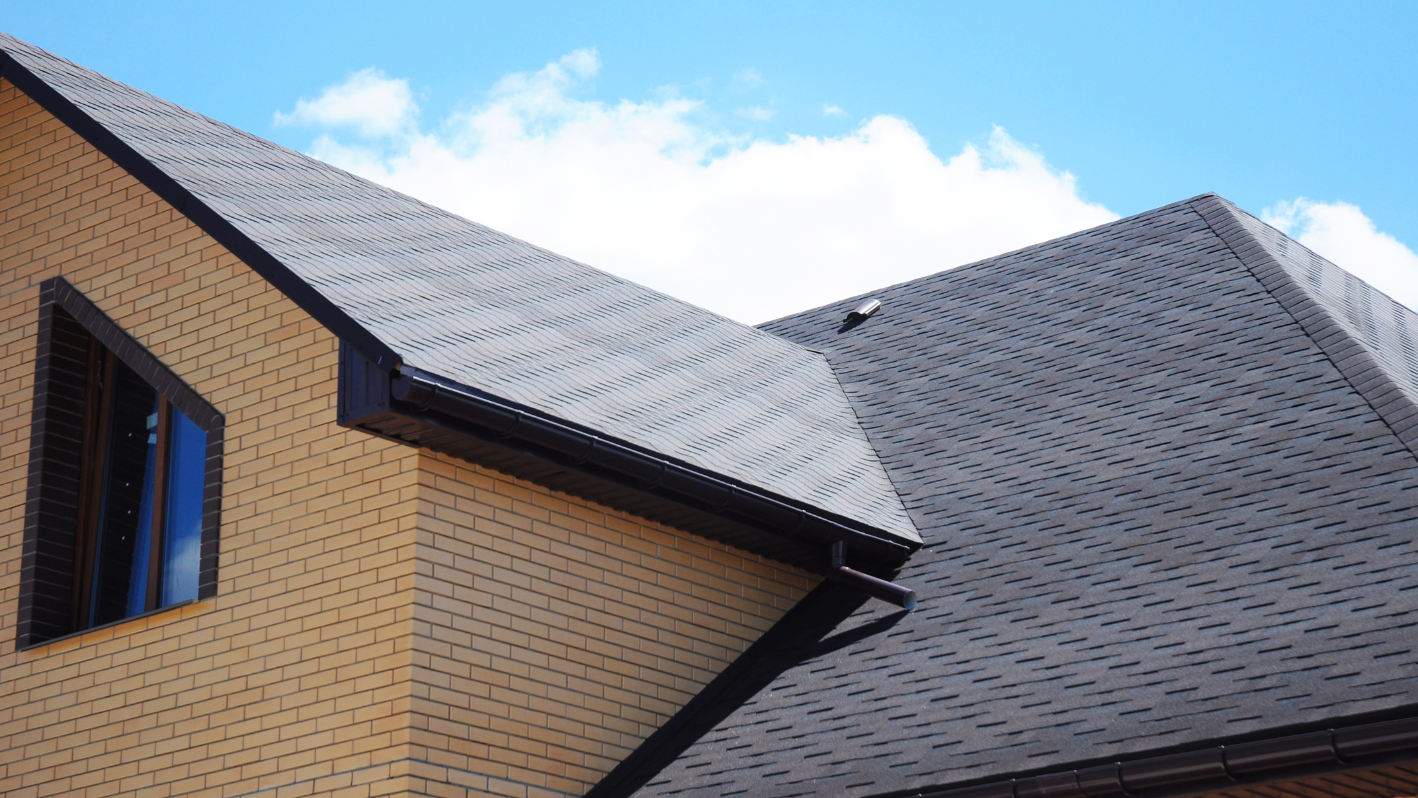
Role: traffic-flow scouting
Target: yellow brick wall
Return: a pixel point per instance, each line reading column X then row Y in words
column 387, row 622
column 296, row 675
column 552, row 636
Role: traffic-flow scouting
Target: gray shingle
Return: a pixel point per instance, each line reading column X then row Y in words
column 1157, row 514
column 497, row 314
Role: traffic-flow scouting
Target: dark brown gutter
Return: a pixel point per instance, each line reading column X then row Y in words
column 645, row 470
column 1208, row 768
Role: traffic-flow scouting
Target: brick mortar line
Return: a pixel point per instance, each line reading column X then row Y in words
column 554, row 571
column 676, row 536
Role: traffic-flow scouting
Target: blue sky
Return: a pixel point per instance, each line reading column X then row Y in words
column 1141, row 104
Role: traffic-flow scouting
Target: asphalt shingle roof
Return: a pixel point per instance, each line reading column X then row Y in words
column 518, row 322
column 1164, row 474
column 1164, row 469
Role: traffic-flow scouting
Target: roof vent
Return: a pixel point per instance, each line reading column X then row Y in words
column 862, row 311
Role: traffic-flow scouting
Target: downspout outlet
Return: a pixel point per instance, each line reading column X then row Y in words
column 890, row 592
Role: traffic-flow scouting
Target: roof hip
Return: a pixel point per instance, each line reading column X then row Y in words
column 1358, row 354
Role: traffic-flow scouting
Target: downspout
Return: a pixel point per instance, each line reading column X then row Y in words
column 890, row 592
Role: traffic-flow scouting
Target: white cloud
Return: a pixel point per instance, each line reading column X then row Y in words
column 748, row 76
column 757, row 113
column 1342, row 233
column 369, row 101
column 832, row 110
column 753, row 229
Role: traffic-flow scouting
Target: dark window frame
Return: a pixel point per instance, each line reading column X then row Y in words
column 53, row 563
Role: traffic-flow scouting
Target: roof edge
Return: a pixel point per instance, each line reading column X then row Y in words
column 805, row 631
column 199, row 213
column 985, row 262
column 1364, row 373
column 1221, row 766
column 416, row 395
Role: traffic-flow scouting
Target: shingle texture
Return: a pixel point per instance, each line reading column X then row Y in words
column 499, row 315
column 1371, row 337
column 1157, row 514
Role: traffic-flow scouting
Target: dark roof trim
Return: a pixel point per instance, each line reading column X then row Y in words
column 202, row 215
column 643, row 469
column 59, row 291
column 1190, row 771
column 1354, row 362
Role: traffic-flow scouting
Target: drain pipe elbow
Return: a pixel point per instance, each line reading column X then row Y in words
column 890, row 592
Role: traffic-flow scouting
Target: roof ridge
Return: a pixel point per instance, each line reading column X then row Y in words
column 1367, row 366
column 982, row 263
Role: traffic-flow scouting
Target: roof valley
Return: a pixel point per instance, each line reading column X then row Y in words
column 1148, row 497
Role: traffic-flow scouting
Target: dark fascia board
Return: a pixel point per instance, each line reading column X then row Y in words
column 1218, row 767
column 368, row 397
column 201, row 214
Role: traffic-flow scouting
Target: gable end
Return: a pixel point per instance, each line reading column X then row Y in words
column 201, row 214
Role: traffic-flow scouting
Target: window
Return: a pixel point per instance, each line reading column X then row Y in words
column 140, row 519
column 125, row 469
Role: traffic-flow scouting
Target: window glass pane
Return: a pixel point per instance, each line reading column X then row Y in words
column 126, row 505
column 182, row 535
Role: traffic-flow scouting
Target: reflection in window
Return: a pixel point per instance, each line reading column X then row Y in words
column 145, row 491
column 122, row 502
column 182, row 534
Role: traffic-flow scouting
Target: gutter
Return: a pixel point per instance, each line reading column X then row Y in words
column 647, row 471
column 1209, row 768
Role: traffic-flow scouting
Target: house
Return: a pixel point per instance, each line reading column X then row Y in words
column 313, row 489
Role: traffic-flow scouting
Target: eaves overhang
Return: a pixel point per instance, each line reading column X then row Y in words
column 737, row 490
column 426, row 410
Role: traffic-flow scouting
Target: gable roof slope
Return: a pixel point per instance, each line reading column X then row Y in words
column 401, row 280
column 1161, row 472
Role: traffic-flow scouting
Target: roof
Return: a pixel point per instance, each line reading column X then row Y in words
column 406, row 281
column 1165, row 470
column 1166, row 478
